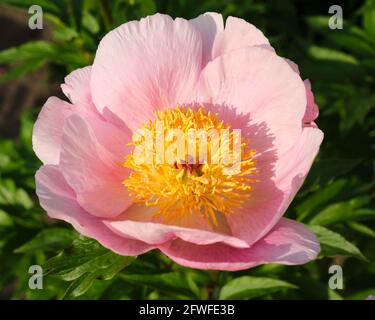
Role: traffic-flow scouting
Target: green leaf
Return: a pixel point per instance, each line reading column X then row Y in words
column 322, row 53
column 247, row 287
column 64, row 33
column 267, row 269
column 320, row 197
column 45, row 4
column 34, row 54
column 19, row 71
column 362, row 228
column 318, row 22
column 90, row 22
column 369, row 18
column 22, row 198
column 109, row 262
column 5, row 219
column 11, row 195
column 352, row 38
column 344, row 211
column 361, row 295
column 33, row 50
column 61, row 32
column 81, row 285
column 85, row 262
column 333, row 244
column 48, row 240
column 172, row 282
column 95, row 291
column 334, row 295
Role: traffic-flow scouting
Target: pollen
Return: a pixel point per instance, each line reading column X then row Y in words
column 186, row 162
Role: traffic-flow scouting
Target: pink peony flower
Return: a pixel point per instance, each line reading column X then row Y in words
column 183, row 74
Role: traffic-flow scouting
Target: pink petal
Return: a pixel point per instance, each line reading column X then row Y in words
column 257, row 82
column 238, row 34
column 146, row 65
column 77, row 86
column 256, row 217
column 271, row 198
column 210, row 25
column 48, row 130
column 92, row 165
column 159, row 233
column 312, row 110
column 293, row 65
column 277, row 176
column 289, row 243
column 292, row 169
column 58, row 199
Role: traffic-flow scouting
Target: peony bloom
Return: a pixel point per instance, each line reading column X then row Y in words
column 183, row 74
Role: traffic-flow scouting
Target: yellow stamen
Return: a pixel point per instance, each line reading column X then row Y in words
column 179, row 188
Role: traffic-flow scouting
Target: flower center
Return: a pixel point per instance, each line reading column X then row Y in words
column 187, row 162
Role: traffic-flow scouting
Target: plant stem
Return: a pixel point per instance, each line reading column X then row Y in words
column 212, row 283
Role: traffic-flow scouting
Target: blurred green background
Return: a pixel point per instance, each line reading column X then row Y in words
column 337, row 199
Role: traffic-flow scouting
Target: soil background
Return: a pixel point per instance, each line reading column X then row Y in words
column 31, row 90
